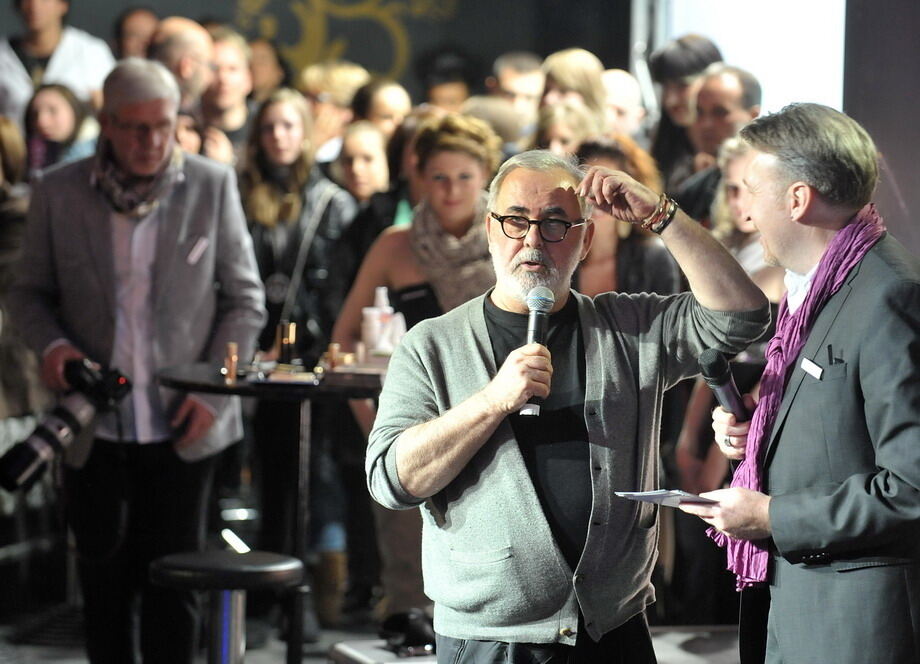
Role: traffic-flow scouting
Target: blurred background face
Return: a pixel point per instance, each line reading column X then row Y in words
column 523, row 90
column 201, row 57
column 40, row 15
column 136, row 32
column 449, row 96
column 733, row 182
column 281, row 134
column 553, row 94
column 266, row 72
column 720, row 112
column 560, row 139
column 624, row 102
column 142, row 135
column 678, row 98
column 389, row 108
column 454, row 182
column 364, row 164
column 51, row 117
column 232, row 78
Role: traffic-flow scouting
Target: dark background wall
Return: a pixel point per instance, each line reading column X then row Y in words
column 882, row 92
column 389, row 36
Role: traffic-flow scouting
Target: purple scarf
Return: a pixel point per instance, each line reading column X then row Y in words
column 748, row 559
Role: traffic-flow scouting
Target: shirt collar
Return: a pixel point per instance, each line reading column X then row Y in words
column 797, row 286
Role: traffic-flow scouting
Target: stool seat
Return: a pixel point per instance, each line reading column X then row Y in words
column 226, row 570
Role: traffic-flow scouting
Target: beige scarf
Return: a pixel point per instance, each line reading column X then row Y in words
column 458, row 269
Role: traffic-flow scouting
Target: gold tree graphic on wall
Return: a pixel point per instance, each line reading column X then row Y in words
column 316, row 43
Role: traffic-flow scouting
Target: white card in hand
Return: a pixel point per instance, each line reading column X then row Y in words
column 666, row 497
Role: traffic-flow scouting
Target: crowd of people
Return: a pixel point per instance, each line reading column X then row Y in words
column 198, row 190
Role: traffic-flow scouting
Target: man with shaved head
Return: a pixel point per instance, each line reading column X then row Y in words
column 187, row 50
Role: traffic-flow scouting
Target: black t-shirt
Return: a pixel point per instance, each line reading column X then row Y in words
column 554, row 443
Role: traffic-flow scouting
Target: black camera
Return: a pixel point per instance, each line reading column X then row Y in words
column 93, row 390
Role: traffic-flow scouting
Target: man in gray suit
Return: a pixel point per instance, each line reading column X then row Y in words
column 825, row 506
column 139, row 259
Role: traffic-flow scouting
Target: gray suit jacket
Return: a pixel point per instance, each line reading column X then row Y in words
column 65, row 284
column 843, row 470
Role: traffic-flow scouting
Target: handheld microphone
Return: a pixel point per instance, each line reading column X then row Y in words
column 540, row 301
column 718, row 376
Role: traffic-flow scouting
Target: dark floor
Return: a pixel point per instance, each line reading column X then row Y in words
column 673, row 645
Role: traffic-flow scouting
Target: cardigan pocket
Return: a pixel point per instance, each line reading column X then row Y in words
column 497, row 584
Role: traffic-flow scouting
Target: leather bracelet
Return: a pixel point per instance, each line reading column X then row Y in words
column 658, row 226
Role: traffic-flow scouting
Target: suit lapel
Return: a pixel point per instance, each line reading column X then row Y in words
column 171, row 232
column 815, row 341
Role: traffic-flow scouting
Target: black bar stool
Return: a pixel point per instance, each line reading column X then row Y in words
column 227, row 576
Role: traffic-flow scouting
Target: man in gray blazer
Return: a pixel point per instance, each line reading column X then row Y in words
column 527, row 552
column 825, row 506
column 139, row 259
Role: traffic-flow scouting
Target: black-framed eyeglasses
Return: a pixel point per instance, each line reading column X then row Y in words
column 516, row 227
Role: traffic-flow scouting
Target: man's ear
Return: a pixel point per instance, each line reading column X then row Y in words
column 801, row 198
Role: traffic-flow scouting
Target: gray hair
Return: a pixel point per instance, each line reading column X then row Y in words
column 821, row 147
column 540, row 160
column 136, row 80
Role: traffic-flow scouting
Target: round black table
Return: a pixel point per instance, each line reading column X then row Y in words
column 205, row 377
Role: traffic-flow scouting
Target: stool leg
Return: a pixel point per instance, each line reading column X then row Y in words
column 227, row 642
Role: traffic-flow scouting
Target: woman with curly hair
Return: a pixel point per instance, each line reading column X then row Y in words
column 441, row 259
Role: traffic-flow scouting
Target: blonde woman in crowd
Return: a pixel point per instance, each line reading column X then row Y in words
column 295, row 216
column 576, row 74
column 562, row 127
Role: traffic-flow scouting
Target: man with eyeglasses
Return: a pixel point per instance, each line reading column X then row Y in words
column 527, row 553
column 139, row 259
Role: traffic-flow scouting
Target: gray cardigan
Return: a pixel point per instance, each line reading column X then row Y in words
column 489, row 560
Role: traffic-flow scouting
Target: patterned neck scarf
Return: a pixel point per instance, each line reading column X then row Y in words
column 748, row 559
column 129, row 194
column 458, row 269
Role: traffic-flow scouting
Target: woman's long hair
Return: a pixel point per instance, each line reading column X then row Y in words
column 273, row 194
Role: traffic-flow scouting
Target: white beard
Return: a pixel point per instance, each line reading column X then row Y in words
column 517, row 281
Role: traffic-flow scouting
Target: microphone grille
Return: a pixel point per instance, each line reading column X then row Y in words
column 540, row 298
column 713, row 363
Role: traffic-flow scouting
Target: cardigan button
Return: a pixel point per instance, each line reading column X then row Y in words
column 566, row 631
